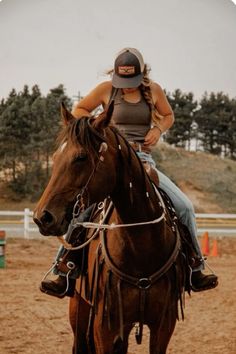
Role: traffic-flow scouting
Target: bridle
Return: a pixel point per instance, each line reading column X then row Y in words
column 79, row 205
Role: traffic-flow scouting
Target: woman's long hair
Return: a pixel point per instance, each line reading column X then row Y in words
column 145, row 89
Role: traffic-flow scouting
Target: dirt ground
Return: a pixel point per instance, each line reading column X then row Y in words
column 35, row 323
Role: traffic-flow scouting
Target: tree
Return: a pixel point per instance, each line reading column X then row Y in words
column 14, row 134
column 216, row 123
column 51, row 120
column 29, row 124
column 184, row 106
column 227, row 128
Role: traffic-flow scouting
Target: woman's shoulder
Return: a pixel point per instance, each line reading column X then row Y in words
column 104, row 86
column 104, row 90
column 155, row 87
column 156, row 91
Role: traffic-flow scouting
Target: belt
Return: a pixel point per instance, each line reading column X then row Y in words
column 138, row 147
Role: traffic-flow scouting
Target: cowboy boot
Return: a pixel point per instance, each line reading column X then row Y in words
column 69, row 264
column 201, row 281
column 60, row 287
column 69, row 267
column 197, row 281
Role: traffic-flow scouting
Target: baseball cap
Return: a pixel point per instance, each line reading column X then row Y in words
column 128, row 69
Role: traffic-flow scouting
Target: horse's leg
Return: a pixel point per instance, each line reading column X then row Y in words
column 160, row 337
column 108, row 341
column 79, row 317
column 121, row 346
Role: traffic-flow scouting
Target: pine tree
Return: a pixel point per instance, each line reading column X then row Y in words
column 216, row 124
column 29, row 124
column 51, row 120
column 184, row 106
column 14, row 133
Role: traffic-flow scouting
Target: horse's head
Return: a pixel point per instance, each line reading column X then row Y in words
column 83, row 171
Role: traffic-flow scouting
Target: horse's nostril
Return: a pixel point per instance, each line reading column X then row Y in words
column 37, row 221
column 47, row 218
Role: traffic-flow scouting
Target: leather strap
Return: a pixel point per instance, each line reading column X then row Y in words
column 113, row 95
column 141, row 282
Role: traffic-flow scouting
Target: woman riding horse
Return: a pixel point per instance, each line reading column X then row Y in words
column 141, row 113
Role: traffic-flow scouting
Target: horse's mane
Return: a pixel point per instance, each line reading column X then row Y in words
column 85, row 133
column 81, row 133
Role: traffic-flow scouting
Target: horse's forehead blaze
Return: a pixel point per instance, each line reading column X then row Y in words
column 59, row 150
column 67, row 150
column 62, row 147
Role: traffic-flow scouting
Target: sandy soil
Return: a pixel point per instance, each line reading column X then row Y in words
column 32, row 322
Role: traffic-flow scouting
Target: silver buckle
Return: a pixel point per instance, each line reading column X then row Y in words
column 70, row 265
column 144, row 283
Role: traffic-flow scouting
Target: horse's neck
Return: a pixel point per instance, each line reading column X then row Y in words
column 135, row 201
column 135, row 206
column 135, row 198
column 138, row 250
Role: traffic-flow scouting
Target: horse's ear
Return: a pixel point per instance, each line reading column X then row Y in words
column 103, row 120
column 66, row 116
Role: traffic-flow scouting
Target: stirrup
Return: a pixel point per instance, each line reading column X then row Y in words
column 198, row 290
column 213, row 284
column 71, row 266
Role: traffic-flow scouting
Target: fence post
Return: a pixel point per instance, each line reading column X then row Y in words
column 26, row 222
column 2, row 248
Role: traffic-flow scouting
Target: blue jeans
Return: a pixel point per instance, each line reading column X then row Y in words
column 183, row 206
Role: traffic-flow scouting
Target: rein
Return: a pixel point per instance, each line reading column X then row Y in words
column 91, row 225
column 101, row 226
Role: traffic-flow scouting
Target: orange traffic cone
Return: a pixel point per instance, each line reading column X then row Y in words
column 214, row 251
column 205, row 244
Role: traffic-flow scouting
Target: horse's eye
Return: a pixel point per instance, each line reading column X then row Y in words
column 80, row 158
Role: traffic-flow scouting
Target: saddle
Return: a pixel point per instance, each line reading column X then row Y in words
column 152, row 173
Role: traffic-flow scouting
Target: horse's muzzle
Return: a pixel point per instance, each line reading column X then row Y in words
column 48, row 224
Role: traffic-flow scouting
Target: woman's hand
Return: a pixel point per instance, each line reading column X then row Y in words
column 152, row 136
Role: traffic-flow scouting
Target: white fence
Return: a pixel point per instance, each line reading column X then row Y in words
column 224, row 224
column 23, row 223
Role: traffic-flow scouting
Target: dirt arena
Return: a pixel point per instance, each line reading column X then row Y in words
column 34, row 323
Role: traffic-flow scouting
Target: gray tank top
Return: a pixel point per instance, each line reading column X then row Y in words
column 133, row 120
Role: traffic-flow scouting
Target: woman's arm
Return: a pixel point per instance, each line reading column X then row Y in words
column 98, row 96
column 164, row 109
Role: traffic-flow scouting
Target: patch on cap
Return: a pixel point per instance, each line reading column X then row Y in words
column 126, row 70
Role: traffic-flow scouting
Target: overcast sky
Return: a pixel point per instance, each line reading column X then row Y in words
column 189, row 44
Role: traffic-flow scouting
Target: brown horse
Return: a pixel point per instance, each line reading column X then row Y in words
column 136, row 270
